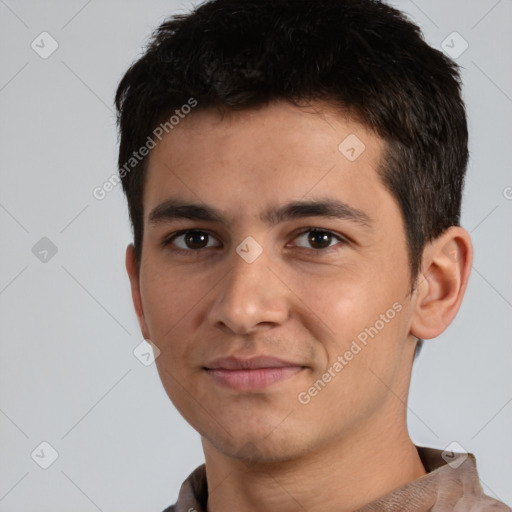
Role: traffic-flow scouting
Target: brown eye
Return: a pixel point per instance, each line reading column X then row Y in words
column 319, row 239
column 196, row 239
column 192, row 240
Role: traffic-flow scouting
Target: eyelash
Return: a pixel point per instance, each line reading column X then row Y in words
column 316, row 252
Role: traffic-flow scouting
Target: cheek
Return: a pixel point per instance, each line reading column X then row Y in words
column 344, row 301
column 169, row 303
column 171, row 308
column 364, row 315
column 167, row 294
column 175, row 304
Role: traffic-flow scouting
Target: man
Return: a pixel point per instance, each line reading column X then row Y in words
column 294, row 174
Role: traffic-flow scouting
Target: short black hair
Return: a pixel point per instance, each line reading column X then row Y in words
column 362, row 56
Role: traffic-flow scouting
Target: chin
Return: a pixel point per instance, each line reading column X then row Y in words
column 273, row 445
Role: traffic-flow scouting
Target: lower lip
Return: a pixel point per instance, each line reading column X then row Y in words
column 255, row 379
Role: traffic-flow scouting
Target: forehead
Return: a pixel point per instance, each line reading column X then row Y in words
column 244, row 161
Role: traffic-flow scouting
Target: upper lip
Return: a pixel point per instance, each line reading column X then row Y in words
column 249, row 363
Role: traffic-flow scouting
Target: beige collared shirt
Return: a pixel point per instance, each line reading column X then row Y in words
column 449, row 485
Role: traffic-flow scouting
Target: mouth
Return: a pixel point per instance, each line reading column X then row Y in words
column 251, row 374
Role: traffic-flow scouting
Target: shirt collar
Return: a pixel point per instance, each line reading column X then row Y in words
column 451, row 479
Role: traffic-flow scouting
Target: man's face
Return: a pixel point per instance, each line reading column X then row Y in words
column 327, row 295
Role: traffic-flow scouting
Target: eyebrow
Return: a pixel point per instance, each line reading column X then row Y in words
column 174, row 209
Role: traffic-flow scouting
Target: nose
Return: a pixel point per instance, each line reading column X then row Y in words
column 250, row 297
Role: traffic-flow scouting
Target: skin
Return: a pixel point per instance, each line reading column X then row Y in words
column 300, row 301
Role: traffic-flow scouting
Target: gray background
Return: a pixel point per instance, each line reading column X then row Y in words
column 68, row 375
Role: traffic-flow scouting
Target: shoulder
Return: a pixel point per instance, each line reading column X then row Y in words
column 193, row 493
column 485, row 504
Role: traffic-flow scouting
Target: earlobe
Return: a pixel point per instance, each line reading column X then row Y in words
column 133, row 274
column 446, row 265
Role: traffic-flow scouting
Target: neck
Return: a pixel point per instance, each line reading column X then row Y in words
column 342, row 476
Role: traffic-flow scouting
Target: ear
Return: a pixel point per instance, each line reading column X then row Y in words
column 133, row 274
column 441, row 284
